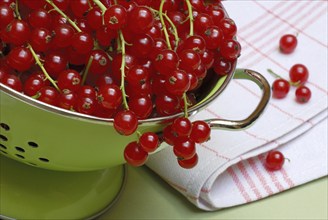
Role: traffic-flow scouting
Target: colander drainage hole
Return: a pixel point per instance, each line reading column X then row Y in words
column 20, row 156
column 2, row 151
column 20, row 149
column 5, row 126
column 3, row 146
column 43, row 159
column 4, row 138
column 32, row 144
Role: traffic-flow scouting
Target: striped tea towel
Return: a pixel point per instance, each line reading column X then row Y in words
column 230, row 169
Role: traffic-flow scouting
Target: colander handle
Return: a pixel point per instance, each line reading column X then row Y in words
column 242, row 124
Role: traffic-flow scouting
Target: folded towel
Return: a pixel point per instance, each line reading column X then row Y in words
column 230, row 170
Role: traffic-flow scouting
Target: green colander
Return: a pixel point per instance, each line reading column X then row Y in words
column 57, row 140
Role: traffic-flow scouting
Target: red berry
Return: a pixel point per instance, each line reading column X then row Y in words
column 115, row 17
column 6, row 15
column 33, row 84
column 67, row 100
column 149, row 141
column 141, row 19
column 274, row 160
column 228, row 28
column 86, row 105
column 200, row 131
column 13, row 82
column 137, row 75
column 184, row 148
column 40, row 18
column 189, row 60
column 63, row 36
column 94, row 18
column 18, row 32
column 182, row 127
column 82, row 43
column 40, row 39
column 142, row 106
column 287, row 43
column 169, row 136
column 135, row 155
column 55, row 62
column 303, row 94
column 20, row 59
column 188, row 163
column 125, row 122
column 202, row 22
column 69, row 79
column 177, row 82
column 109, row 96
column 100, row 62
column 213, row 37
column 280, row 88
column 230, row 49
column 298, row 74
column 87, row 91
column 166, row 61
column 167, row 104
column 79, row 7
column 48, row 95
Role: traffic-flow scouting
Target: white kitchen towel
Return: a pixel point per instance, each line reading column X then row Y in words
column 230, row 170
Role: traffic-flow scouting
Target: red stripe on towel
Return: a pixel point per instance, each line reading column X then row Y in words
column 249, row 180
column 239, row 185
column 260, row 176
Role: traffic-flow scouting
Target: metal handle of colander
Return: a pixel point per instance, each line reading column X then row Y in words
column 248, row 121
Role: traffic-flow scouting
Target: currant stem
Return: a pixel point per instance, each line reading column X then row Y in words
column 167, row 38
column 138, row 134
column 86, row 71
column 280, row 77
column 274, row 74
column 185, row 102
column 102, row 8
column 37, row 60
column 17, row 11
column 122, row 87
column 175, row 30
column 191, row 18
column 35, row 56
column 100, row 5
column 64, row 15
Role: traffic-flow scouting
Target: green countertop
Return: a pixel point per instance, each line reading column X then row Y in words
column 146, row 196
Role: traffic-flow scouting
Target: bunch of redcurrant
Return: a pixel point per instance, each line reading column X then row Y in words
column 123, row 59
column 298, row 74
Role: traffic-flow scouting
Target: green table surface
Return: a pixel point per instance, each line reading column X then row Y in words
column 147, row 196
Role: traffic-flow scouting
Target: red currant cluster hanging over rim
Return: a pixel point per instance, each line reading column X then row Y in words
column 127, row 60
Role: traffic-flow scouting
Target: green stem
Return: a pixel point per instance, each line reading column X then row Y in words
column 167, row 38
column 191, row 18
column 185, row 102
column 175, row 31
column 86, row 71
column 274, row 74
column 280, row 77
column 17, row 11
column 102, row 8
column 35, row 56
column 100, row 5
column 122, row 87
column 37, row 60
column 64, row 15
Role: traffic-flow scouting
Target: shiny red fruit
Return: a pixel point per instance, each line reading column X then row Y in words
column 135, row 155
column 274, row 160
column 287, row 43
